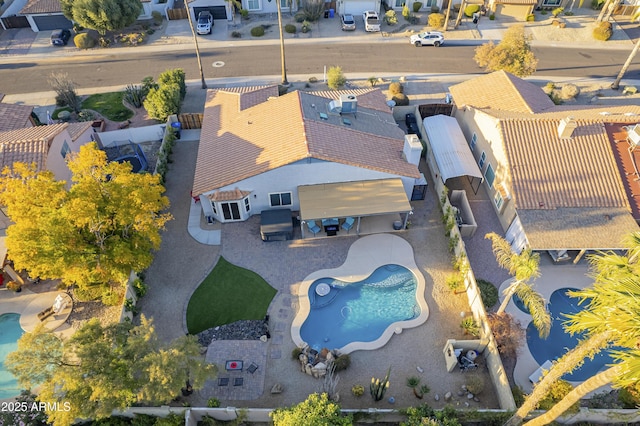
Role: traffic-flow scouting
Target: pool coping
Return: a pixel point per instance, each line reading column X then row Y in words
column 364, row 256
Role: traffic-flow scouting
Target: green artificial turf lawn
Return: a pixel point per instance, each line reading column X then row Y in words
column 109, row 105
column 228, row 294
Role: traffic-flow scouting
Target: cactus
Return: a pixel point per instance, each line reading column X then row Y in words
column 379, row 387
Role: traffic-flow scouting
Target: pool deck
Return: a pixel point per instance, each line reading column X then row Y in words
column 365, row 256
column 552, row 277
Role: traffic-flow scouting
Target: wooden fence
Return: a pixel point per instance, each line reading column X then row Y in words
column 190, row 121
column 174, row 14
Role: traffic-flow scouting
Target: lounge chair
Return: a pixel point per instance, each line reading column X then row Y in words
column 348, row 224
column 313, row 227
column 252, row 368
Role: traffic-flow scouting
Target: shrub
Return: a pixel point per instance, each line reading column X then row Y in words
column 342, row 362
column 492, row 17
column 290, row 29
column 295, row 353
column 390, row 17
column 568, row 13
column 174, row 76
column 244, row 13
column 518, row 395
column 86, row 115
column 313, row 79
column 475, row 383
column 357, row 390
column 84, row 41
column 470, row 326
column 454, row 281
column 597, row 4
column 559, row 389
column 257, row 31
column 417, row 6
column 436, row 20
column 77, row 28
column 471, row 9
column 508, row 333
column 111, row 298
column 629, row 397
column 569, row 91
column 373, row 81
column 406, row 13
column 306, row 26
column 132, row 39
column 603, row 31
column 213, row 403
column 335, row 78
column 395, row 88
column 400, row 99
column 555, row 98
column 14, row 286
column 549, row 87
column 157, row 17
column 236, row 34
column 139, row 287
column 435, row 9
column 488, row 292
column 162, row 102
column 300, row 16
column 531, row 17
column 557, row 11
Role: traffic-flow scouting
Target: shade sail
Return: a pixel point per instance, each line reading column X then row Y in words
column 450, row 148
column 344, row 199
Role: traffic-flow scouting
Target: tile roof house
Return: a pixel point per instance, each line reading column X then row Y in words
column 46, row 146
column 14, row 116
column 554, row 172
column 260, row 151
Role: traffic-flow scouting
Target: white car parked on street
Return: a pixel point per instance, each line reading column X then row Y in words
column 427, row 38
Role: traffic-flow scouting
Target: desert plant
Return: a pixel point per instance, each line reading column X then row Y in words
column 531, row 17
column 475, row 383
column 257, row 31
column 213, row 403
column 557, row 11
column 555, row 98
column 157, row 17
column 557, row 392
column 65, row 90
column 417, row 6
column 436, row 20
column 488, row 292
column 413, row 382
column 132, row 39
column 290, row 29
column 406, row 12
column 597, row 4
column 14, row 286
column 549, row 87
column 357, row 390
column 373, row 81
column 390, row 17
column 378, row 387
column 342, row 362
column 569, row 91
column 295, row 353
column 454, row 281
column 313, row 9
column 603, row 31
column 400, row 99
column 84, row 41
column 395, row 88
column 236, row 34
column 300, row 16
column 330, row 383
column 335, row 78
column 134, row 95
column 492, row 17
column 424, row 389
column 313, row 79
column 471, row 9
column 306, row 26
column 470, row 326
column 508, row 333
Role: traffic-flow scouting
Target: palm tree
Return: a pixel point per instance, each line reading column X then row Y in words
column 523, row 267
column 610, row 318
column 616, row 84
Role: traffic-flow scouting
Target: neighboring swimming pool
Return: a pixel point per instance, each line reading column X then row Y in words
column 360, row 305
column 359, row 311
column 10, row 332
column 560, row 341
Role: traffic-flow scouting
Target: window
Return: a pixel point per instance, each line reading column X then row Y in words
column 498, row 200
column 427, row 4
column 213, row 206
column 65, row 149
column 284, row 4
column 230, row 211
column 490, row 175
column 551, row 2
column 483, row 157
column 253, row 5
column 280, row 199
column 247, row 206
column 400, row 3
column 474, row 139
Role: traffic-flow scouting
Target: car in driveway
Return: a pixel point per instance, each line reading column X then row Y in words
column 412, row 125
column 348, row 23
column 60, row 37
column 205, row 22
column 427, row 38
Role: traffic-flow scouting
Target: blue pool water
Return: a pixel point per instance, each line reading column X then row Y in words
column 519, row 304
column 559, row 341
column 360, row 311
column 10, row 332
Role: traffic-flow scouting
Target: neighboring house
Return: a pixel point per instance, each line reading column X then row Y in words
column 260, row 151
column 357, row 7
column 226, row 9
column 558, row 175
column 46, row 146
column 14, row 116
column 513, row 9
column 45, row 15
column 220, row 9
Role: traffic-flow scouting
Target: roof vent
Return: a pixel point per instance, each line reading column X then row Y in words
column 566, row 128
column 633, row 134
column 605, row 113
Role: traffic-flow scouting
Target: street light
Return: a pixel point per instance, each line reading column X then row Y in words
column 195, row 41
column 284, row 67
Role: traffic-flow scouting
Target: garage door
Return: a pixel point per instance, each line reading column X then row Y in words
column 517, row 12
column 218, row 12
column 52, row 22
column 356, row 8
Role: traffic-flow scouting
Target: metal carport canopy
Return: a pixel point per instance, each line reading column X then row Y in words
column 450, row 148
column 360, row 198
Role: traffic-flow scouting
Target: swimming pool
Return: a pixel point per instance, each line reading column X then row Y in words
column 560, row 341
column 376, row 293
column 10, row 332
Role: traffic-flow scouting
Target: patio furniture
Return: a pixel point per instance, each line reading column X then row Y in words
column 223, row 381
column 276, row 225
column 238, row 381
column 331, row 226
column 233, row 365
column 252, row 368
column 348, row 224
column 313, row 227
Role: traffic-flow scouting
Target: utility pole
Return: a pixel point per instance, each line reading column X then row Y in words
column 195, row 41
column 283, row 64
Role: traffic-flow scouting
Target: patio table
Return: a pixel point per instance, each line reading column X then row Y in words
column 233, row 365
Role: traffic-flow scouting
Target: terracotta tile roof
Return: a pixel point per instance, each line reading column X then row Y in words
column 549, row 173
column 601, row 113
column 628, row 162
column 14, row 116
column 236, row 194
column 77, row 129
column 501, row 91
column 41, row 6
column 32, row 133
column 26, row 151
column 577, row 228
column 238, row 144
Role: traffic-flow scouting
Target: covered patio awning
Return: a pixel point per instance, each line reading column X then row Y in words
column 352, row 199
column 450, row 148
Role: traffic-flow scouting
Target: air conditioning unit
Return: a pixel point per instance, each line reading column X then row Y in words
column 349, row 104
column 633, row 134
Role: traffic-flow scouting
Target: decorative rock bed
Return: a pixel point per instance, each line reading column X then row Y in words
column 315, row 363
